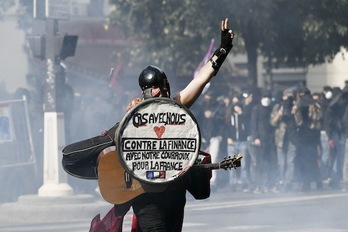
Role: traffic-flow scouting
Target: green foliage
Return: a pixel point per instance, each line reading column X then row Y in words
column 308, row 32
column 176, row 34
column 170, row 34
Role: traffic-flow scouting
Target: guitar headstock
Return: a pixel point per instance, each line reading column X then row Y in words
column 231, row 162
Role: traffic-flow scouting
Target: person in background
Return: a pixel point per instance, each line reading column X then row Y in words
column 335, row 128
column 211, row 134
column 235, row 98
column 236, row 139
column 326, row 98
column 316, row 96
column 248, row 102
column 222, row 104
column 264, row 158
column 283, row 121
column 205, row 101
column 308, row 114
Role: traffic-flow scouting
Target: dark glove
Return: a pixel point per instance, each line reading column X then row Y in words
column 331, row 143
column 223, row 50
column 225, row 45
column 226, row 40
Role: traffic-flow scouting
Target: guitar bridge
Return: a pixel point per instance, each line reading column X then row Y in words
column 127, row 180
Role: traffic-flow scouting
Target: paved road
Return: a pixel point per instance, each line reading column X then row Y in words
column 228, row 211
column 319, row 211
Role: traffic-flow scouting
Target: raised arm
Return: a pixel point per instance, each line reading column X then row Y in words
column 191, row 92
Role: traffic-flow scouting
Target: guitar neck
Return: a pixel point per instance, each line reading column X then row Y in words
column 208, row 166
column 227, row 163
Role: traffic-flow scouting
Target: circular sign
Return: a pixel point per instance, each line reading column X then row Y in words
column 158, row 140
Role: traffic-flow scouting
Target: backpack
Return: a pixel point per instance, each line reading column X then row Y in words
column 80, row 158
column 315, row 115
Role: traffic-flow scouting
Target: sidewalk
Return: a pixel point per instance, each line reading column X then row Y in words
column 31, row 209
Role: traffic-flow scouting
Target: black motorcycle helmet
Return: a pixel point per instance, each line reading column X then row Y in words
column 153, row 77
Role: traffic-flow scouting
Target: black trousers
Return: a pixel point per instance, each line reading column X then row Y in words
column 161, row 212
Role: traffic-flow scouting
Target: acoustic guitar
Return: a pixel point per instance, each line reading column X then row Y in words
column 117, row 187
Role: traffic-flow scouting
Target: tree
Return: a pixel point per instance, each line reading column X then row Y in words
column 250, row 21
column 314, row 34
column 295, row 33
column 170, row 34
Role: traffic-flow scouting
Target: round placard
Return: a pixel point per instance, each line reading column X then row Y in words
column 158, row 141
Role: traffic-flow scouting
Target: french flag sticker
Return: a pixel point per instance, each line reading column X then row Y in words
column 150, row 175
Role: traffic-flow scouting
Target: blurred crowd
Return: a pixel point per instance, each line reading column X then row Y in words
column 293, row 140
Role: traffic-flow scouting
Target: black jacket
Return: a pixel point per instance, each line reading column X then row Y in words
column 236, row 127
column 260, row 124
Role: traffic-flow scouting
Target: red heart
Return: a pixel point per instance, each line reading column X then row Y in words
column 159, row 130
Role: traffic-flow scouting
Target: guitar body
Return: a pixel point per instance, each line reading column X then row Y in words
column 111, row 180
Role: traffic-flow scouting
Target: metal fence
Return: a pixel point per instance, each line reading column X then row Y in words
column 16, row 145
column 18, row 164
